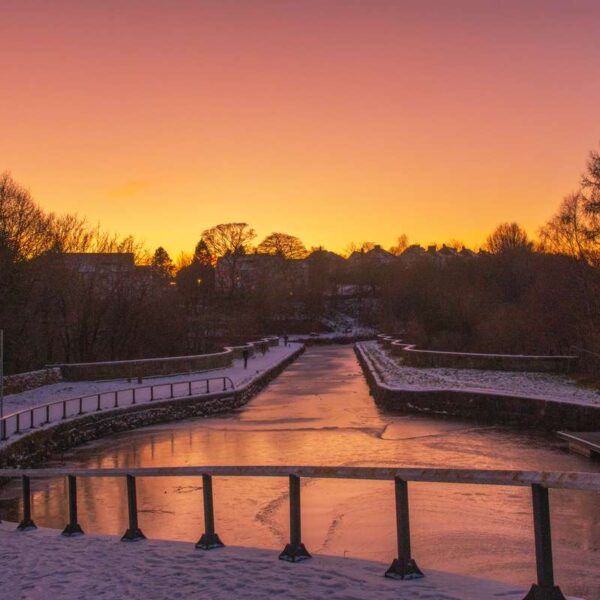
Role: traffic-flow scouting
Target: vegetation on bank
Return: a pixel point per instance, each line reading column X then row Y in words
column 516, row 295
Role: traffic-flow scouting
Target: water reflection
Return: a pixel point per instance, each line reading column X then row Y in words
column 320, row 412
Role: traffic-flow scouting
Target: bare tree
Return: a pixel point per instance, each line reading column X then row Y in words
column 352, row 247
column 284, row 245
column 508, row 237
column 400, row 246
column 228, row 242
column 24, row 228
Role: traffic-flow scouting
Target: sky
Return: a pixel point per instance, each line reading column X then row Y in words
column 334, row 120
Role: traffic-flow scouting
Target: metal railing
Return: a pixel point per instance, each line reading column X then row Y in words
column 403, row 566
column 51, row 412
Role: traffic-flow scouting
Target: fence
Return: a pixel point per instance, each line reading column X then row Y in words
column 403, row 566
column 44, row 414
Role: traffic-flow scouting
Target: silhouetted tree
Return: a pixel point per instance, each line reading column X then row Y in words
column 508, row 237
column 228, row 242
column 162, row 263
column 400, row 246
column 282, row 244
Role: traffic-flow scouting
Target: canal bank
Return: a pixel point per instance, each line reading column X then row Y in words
column 35, row 446
column 496, row 407
column 319, row 412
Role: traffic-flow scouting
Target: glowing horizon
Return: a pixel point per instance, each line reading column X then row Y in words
column 340, row 121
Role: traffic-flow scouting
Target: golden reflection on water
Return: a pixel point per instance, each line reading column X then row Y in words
column 319, row 412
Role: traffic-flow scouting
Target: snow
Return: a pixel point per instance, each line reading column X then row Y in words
column 520, row 384
column 67, row 390
column 42, row 564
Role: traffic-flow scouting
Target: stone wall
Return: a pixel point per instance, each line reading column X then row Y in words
column 34, row 448
column 482, row 407
column 159, row 366
column 414, row 357
column 21, row 382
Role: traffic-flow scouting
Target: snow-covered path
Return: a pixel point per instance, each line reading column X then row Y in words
column 41, row 564
column 74, row 389
column 528, row 385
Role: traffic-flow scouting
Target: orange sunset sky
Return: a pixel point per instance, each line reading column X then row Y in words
column 334, row 120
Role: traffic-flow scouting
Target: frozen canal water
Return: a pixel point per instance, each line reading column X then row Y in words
column 319, row 412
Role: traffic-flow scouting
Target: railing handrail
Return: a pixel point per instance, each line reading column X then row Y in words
column 403, row 566
column 589, row 481
column 141, row 387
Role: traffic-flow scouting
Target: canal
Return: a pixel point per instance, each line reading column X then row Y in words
column 319, row 412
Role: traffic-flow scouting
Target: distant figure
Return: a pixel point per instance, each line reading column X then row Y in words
column 285, row 340
column 245, row 355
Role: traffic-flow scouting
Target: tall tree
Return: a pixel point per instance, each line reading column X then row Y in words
column 228, row 242
column 162, row 263
column 284, row 245
column 508, row 237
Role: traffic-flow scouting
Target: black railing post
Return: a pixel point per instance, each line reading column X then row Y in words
column 133, row 533
column 403, row 567
column 189, row 388
column 224, row 384
column 80, row 406
column 171, row 390
column 99, row 403
column 26, row 523
column 73, row 527
column 151, row 393
column 31, row 423
column 116, row 400
column 208, row 386
column 47, row 415
column 18, row 427
column 209, row 539
column 64, row 415
column 133, row 401
column 545, row 588
column 295, row 550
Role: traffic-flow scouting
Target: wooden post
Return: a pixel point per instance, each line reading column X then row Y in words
column 73, row 527
column 26, row 523
column 209, row 539
column 545, row 588
column 295, row 550
column 403, row 567
column 133, row 533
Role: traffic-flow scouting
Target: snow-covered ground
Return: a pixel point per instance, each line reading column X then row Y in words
column 75, row 389
column 41, row 564
column 527, row 385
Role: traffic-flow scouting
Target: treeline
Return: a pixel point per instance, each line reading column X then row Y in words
column 514, row 295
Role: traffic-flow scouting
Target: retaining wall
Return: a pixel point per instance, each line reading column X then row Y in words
column 482, row 407
column 38, row 446
column 21, row 382
column 171, row 365
column 414, row 357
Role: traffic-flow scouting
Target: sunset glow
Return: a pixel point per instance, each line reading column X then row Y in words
column 335, row 121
